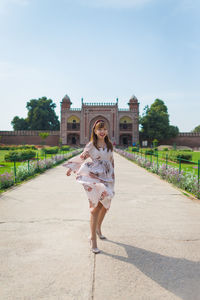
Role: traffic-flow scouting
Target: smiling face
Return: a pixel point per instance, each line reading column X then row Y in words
column 101, row 131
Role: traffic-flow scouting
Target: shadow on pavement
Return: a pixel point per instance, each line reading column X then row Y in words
column 178, row 275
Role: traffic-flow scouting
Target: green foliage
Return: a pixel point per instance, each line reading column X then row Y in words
column 133, row 149
column 19, row 155
column 20, row 123
column 155, row 122
column 196, row 129
column 41, row 116
column 60, row 142
column 155, row 143
column 51, row 150
column 44, row 135
column 20, row 147
column 176, row 155
column 65, row 148
column 165, row 149
column 147, row 151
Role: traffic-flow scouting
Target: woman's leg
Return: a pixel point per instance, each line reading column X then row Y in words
column 101, row 216
column 93, row 223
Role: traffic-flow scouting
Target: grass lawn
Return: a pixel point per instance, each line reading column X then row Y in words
column 7, row 166
column 196, row 156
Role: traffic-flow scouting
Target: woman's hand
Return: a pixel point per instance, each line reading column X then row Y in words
column 69, row 172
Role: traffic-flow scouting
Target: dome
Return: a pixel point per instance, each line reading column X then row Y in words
column 66, row 99
column 133, row 99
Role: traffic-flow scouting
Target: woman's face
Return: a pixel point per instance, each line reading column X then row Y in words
column 101, row 132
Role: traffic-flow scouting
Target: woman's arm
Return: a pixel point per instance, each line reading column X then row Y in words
column 112, row 159
column 113, row 164
column 75, row 163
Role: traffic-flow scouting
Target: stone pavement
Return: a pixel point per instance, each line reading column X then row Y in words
column 152, row 251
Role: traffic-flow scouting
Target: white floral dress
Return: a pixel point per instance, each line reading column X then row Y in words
column 97, row 176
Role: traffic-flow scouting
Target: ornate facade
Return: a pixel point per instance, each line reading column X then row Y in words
column 76, row 123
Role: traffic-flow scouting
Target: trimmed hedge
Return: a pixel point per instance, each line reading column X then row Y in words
column 19, row 155
column 51, row 150
column 176, row 155
column 65, row 148
column 133, row 149
column 147, row 151
column 20, row 147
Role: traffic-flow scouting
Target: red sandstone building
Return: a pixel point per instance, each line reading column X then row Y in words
column 77, row 123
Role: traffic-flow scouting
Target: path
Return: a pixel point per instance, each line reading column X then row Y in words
column 152, row 251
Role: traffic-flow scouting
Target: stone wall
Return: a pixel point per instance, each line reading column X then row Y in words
column 30, row 137
column 185, row 139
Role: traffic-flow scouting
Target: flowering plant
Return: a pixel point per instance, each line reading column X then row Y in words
column 182, row 179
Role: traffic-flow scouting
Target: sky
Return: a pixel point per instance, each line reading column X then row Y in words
column 100, row 50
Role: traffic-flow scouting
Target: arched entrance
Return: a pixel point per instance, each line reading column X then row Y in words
column 101, row 118
column 125, row 140
column 73, row 139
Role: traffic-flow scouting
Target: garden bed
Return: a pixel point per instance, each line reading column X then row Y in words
column 184, row 180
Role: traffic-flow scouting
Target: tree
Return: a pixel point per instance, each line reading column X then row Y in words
column 19, row 123
column 43, row 136
column 155, row 122
column 41, row 116
column 196, row 129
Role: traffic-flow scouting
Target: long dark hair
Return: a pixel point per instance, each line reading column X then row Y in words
column 93, row 139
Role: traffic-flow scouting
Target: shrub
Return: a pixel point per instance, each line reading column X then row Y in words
column 27, row 154
column 148, row 151
column 28, row 147
column 12, row 156
column 51, row 150
column 4, row 147
column 165, row 149
column 6, row 180
column 187, row 181
column 176, row 155
column 19, row 155
column 65, row 148
column 17, row 147
column 134, row 149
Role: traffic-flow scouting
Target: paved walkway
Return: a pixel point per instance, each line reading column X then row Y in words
column 152, row 251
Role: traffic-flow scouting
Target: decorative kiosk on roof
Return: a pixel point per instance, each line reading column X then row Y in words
column 76, row 123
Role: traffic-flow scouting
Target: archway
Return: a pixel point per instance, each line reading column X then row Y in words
column 125, row 140
column 73, row 139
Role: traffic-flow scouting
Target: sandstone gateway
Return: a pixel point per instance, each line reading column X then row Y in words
column 76, row 123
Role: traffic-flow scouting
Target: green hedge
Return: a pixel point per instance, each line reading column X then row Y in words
column 133, row 149
column 51, row 150
column 176, row 155
column 19, row 155
column 20, row 147
column 65, row 148
column 147, row 151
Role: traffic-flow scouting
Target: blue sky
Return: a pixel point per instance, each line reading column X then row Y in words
column 101, row 50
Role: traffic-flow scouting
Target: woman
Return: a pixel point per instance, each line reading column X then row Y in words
column 97, row 177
